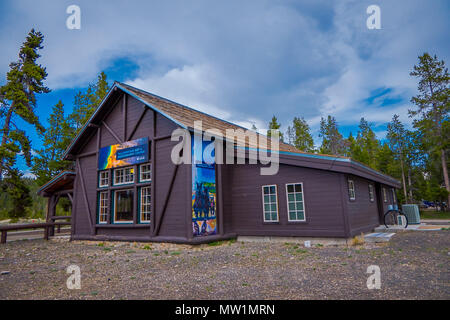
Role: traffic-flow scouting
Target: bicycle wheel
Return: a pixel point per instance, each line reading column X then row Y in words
column 390, row 219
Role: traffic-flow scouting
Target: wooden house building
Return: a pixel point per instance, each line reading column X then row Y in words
column 126, row 187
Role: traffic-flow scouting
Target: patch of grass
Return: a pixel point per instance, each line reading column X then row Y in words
column 176, row 253
column 319, row 245
column 230, row 242
column 215, row 243
column 156, row 254
column 107, row 249
column 130, row 251
column 245, row 284
column 147, row 247
column 357, row 240
column 101, row 244
column 439, row 215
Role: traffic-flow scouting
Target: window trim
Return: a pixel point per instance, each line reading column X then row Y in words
column 100, row 185
column 394, row 196
column 114, row 207
column 140, row 172
column 276, row 198
column 384, row 195
column 287, row 202
column 124, row 183
column 371, row 193
column 100, row 207
column 140, row 205
column 353, row 189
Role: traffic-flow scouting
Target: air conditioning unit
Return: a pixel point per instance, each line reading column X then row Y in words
column 412, row 212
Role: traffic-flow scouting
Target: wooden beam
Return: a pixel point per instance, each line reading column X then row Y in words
column 166, row 201
column 70, row 197
column 219, row 206
column 112, row 132
column 86, row 201
column 137, row 123
column 124, row 117
column 152, row 191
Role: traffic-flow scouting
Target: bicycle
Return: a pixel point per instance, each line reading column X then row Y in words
column 395, row 218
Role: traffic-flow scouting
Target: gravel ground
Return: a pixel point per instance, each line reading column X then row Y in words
column 414, row 265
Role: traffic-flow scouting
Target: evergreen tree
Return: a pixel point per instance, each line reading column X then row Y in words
column 397, row 138
column 368, row 144
column 332, row 140
column 303, row 139
column 433, row 105
column 290, row 135
column 274, row 125
column 49, row 161
column 18, row 101
column 86, row 103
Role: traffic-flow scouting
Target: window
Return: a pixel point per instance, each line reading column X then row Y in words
column 145, row 205
column 351, row 190
column 104, row 179
column 145, row 172
column 124, row 175
column 384, row 195
column 103, row 207
column 123, row 206
column 371, row 195
column 296, row 207
column 394, row 198
column 270, row 203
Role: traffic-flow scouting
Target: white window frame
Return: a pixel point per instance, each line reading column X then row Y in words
column 384, row 195
column 101, row 179
column 295, row 201
column 371, row 193
column 141, row 204
column 115, row 208
column 140, row 172
column 276, row 201
column 103, row 206
column 394, row 197
column 352, row 183
column 125, row 182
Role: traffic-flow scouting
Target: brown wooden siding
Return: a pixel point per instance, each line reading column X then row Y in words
column 322, row 197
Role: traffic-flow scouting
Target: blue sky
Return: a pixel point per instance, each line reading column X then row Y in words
column 243, row 61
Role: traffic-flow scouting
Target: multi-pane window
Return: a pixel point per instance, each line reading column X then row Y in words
column 270, row 203
column 384, row 195
column 371, row 194
column 123, row 206
column 145, row 173
column 145, row 205
column 351, row 190
column 296, row 207
column 103, row 179
column 394, row 198
column 124, row 175
column 103, row 207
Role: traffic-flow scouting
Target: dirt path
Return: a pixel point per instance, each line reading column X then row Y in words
column 414, row 265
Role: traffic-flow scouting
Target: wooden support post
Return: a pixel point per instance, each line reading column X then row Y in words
column 3, row 240
column 46, row 231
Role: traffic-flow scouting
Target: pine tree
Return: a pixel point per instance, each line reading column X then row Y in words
column 18, row 101
column 332, row 140
column 303, row 139
column 274, row 125
column 86, row 103
column 368, row 144
column 397, row 138
column 49, row 161
column 433, row 105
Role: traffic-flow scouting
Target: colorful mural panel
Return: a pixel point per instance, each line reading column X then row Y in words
column 204, row 221
column 124, row 154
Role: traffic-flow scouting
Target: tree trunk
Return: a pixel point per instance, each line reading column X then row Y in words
column 403, row 180
column 445, row 172
column 410, row 186
column 5, row 136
